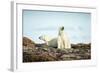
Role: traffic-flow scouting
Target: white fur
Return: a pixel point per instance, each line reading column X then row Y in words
column 49, row 41
column 61, row 41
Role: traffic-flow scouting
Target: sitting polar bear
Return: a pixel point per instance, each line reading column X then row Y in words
column 61, row 41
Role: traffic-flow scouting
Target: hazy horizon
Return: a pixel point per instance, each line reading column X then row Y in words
column 77, row 25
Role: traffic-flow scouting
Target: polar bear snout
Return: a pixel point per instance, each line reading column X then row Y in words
column 40, row 38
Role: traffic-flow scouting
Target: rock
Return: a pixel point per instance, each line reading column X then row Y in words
column 65, row 57
column 43, row 45
column 76, row 50
column 78, row 57
column 34, row 52
column 28, row 43
column 81, row 45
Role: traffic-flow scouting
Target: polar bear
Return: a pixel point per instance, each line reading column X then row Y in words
column 61, row 41
column 52, row 42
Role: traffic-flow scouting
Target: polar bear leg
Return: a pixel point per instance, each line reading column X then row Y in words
column 59, row 42
column 67, row 44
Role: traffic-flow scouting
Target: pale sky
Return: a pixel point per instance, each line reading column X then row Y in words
column 77, row 25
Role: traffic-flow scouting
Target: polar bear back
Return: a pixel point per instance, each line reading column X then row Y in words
column 53, row 42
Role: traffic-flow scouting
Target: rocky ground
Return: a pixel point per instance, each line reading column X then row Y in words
column 40, row 52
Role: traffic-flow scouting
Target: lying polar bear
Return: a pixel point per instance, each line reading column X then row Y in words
column 52, row 42
column 61, row 41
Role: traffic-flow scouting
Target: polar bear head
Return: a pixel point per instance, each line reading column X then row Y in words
column 61, row 29
column 44, row 38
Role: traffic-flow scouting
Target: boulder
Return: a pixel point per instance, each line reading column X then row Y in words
column 28, row 43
